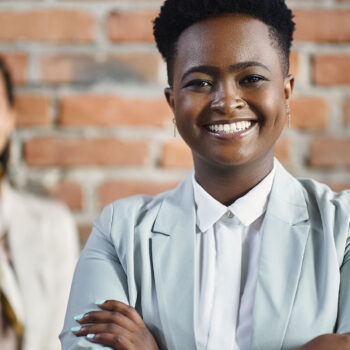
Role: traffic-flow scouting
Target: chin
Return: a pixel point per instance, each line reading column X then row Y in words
column 221, row 162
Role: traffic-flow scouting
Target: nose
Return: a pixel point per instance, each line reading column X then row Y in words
column 227, row 100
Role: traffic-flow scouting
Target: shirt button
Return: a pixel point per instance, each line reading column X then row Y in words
column 229, row 214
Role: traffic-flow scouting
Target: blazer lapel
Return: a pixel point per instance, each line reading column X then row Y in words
column 173, row 256
column 285, row 233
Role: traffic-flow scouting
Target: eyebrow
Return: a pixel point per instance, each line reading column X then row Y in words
column 233, row 68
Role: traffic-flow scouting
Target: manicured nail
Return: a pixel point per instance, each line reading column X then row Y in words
column 78, row 317
column 100, row 302
column 90, row 336
column 75, row 329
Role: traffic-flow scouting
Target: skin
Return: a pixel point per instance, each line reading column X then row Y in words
column 243, row 81
column 118, row 326
column 7, row 117
column 226, row 69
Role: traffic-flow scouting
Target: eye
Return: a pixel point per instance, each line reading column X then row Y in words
column 253, row 79
column 199, row 83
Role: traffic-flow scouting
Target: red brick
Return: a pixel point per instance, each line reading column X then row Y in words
column 176, row 154
column 131, row 26
column 331, row 69
column 17, row 64
column 310, row 113
column 53, row 25
column 294, row 63
column 322, row 25
column 70, row 193
column 347, row 112
column 33, row 110
column 69, row 152
column 328, row 152
column 137, row 67
column 92, row 110
column 111, row 191
column 339, row 186
column 282, row 150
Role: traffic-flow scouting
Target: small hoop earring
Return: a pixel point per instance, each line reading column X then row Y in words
column 174, row 122
column 289, row 115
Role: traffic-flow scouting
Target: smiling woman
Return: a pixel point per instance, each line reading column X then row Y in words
column 227, row 75
column 241, row 255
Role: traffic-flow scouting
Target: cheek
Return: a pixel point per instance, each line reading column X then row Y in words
column 272, row 106
column 189, row 108
column 6, row 127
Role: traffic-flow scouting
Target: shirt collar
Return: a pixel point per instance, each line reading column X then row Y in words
column 246, row 209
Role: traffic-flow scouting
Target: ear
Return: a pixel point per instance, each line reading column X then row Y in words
column 169, row 94
column 288, row 86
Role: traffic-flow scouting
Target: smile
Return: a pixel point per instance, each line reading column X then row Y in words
column 230, row 128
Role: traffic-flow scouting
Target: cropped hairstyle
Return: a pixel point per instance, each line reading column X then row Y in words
column 177, row 15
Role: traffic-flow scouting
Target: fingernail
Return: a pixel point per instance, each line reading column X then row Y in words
column 99, row 302
column 75, row 329
column 90, row 336
column 78, row 317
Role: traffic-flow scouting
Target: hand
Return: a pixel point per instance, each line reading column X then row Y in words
column 118, row 326
column 328, row 342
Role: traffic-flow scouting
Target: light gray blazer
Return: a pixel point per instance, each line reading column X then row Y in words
column 43, row 245
column 142, row 252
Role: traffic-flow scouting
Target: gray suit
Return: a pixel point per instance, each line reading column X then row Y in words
column 141, row 252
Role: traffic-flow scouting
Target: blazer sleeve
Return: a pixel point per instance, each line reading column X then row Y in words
column 344, row 295
column 99, row 275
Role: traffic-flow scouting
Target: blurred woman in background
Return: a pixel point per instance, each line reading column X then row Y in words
column 38, row 250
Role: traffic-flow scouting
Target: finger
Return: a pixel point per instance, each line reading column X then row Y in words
column 115, row 341
column 126, row 310
column 109, row 317
column 109, row 328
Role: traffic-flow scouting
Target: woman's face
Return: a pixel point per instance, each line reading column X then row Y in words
column 229, row 94
column 7, row 117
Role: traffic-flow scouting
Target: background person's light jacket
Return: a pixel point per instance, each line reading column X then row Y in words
column 43, row 247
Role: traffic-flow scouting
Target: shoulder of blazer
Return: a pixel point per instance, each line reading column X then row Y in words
column 329, row 213
column 321, row 196
column 140, row 216
column 28, row 210
column 135, row 207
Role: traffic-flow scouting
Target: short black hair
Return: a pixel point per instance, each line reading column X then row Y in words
column 177, row 15
column 6, row 77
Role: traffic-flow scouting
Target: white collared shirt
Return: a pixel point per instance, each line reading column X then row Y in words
column 227, row 256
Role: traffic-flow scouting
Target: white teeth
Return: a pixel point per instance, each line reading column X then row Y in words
column 230, row 128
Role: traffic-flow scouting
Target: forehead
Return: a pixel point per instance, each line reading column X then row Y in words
column 225, row 40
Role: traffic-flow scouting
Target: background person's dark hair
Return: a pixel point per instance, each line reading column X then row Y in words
column 177, row 15
column 6, row 77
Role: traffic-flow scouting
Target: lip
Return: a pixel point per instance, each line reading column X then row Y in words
column 235, row 135
column 230, row 121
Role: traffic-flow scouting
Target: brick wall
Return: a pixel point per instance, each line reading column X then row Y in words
column 93, row 125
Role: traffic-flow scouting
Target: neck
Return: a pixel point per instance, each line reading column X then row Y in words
column 226, row 184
